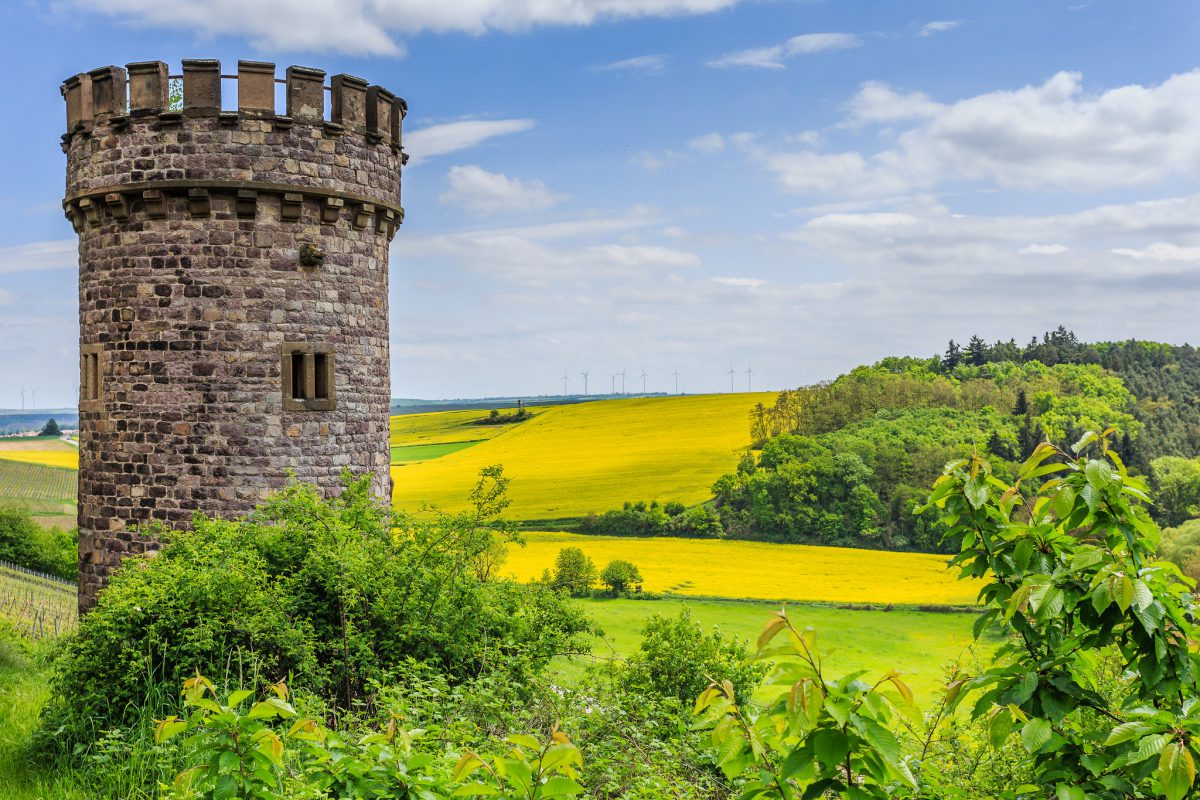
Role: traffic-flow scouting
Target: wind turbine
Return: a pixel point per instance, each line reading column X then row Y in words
column 749, row 375
column 33, row 402
column 622, row 374
column 676, row 374
column 22, row 398
column 614, row 382
column 732, row 375
column 585, row 374
column 643, row 376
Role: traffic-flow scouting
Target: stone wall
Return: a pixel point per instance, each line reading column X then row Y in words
column 215, row 247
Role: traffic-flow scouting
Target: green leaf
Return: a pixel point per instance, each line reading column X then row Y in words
column 1064, row 791
column 830, row 746
column 1064, row 502
column 225, row 788
column 525, row 740
column 1126, row 732
column 976, row 492
column 1035, row 734
column 1148, row 747
column 1123, row 592
column 476, row 790
column 1176, row 771
column 239, row 697
column 561, row 786
column 1142, row 597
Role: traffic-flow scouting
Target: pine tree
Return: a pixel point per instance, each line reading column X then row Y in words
column 1022, row 407
column 977, row 349
column 953, row 356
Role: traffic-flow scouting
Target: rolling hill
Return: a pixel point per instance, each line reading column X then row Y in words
column 569, row 461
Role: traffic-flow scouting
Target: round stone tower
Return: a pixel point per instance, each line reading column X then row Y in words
column 233, row 288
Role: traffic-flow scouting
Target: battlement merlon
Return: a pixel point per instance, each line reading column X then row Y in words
column 141, row 91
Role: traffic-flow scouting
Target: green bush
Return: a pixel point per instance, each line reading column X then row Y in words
column 25, row 543
column 620, row 576
column 574, row 572
column 677, row 659
column 333, row 593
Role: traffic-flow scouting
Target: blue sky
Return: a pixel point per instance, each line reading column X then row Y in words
column 661, row 184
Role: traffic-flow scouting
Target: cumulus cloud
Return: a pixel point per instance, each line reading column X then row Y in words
column 879, row 103
column 439, row 140
column 638, row 65
column 773, row 57
column 369, row 27
column 36, row 256
column 939, row 26
column 475, row 189
column 1053, row 135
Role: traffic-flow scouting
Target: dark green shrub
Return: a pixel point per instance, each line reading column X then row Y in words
column 620, row 576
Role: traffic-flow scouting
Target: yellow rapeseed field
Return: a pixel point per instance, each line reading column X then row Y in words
column 442, row 427
column 575, row 459
column 66, row 457
column 758, row 570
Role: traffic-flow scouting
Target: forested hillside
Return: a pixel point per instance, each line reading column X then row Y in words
column 847, row 462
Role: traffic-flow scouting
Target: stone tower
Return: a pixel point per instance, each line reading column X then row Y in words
column 233, row 291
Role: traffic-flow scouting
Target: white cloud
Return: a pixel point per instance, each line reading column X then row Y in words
column 638, row 65
column 939, row 26
column 773, row 57
column 748, row 283
column 708, row 143
column 1161, row 251
column 1042, row 250
column 439, row 140
column 368, row 27
column 483, row 192
column 879, row 103
column 36, row 256
column 1052, row 135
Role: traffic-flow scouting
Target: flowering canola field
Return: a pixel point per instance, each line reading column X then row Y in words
column 66, row 457
column 571, row 460
column 759, row 570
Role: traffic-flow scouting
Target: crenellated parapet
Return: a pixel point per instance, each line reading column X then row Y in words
column 115, row 96
column 131, row 149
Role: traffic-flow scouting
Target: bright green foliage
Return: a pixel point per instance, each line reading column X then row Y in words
column 818, row 736
column 1067, row 553
column 333, row 592
column 267, row 751
column 574, row 571
column 25, row 543
column 677, row 659
column 1181, row 546
column 1176, row 484
column 845, row 463
column 620, row 576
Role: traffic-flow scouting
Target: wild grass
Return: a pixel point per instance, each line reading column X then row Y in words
column 759, row 570
column 571, row 460
column 919, row 644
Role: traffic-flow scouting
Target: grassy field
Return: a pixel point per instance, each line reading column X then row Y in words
column 441, row 427
column 918, row 644
column 411, row 454
column 569, row 461
column 759, row 571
